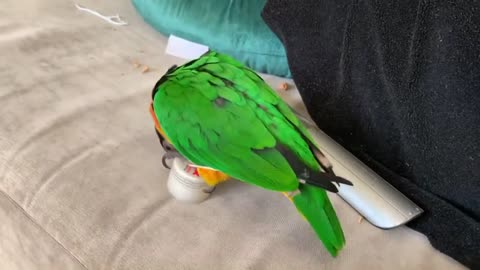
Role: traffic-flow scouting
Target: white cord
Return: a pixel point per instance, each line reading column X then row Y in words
column 111, row 19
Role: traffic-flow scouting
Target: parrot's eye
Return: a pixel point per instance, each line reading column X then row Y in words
column 167, row 147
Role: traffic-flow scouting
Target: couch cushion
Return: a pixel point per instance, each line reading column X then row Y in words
column 233, row 27
column 79, row 155
column 25, row 245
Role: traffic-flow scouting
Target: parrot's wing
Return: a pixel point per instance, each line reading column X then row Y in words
column 220, row 114
column 286, row 111
column 211, row 130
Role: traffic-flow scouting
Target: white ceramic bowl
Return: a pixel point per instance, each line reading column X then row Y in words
column 185, row 186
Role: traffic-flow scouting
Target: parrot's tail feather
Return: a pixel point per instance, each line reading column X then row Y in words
column 315, row 206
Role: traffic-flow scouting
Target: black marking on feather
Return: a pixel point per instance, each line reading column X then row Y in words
column 263, row 108
column 245, row 69
column 225, row 81
column 318, row 179
column 220, row 102
column 216, row 132
column 189, row 63
column 319, row 156
column 171, row 69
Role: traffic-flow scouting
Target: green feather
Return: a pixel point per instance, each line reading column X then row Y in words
column 316, row 207
column 229, row 94
column 219, row 113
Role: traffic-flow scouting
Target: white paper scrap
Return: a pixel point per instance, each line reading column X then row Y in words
column 185, row 49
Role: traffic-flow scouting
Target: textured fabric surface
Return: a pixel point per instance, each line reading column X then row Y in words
column 232, row 27
column 397, row 83
column 81, row 181
column 25, row 245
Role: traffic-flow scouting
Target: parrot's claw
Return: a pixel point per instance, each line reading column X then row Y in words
column 169, row 155
column 164, row 161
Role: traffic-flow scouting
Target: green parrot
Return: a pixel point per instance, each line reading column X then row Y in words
column 222, row 117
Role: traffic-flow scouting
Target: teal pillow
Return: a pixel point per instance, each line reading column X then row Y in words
column 231, row 27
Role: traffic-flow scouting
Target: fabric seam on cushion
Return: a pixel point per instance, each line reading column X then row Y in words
column 35, row 223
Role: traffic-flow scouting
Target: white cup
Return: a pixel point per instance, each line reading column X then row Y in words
column 185, row 186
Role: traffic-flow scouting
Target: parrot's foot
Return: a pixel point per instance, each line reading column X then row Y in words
column 291, row 194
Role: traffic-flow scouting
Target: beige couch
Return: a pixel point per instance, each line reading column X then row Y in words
column 82, row 186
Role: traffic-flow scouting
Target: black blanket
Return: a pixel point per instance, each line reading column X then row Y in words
column 398, row 84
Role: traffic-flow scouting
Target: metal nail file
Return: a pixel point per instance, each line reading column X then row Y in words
column 371, row 196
